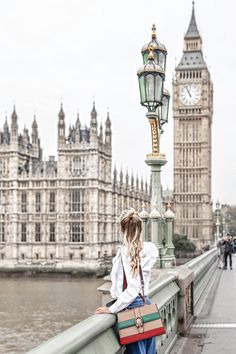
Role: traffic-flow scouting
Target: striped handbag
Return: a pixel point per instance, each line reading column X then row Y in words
column 141, row 322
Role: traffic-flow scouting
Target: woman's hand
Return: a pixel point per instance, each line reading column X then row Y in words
column 102, row 310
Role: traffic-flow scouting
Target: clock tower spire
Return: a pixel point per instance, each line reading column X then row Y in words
column 192, row 112
column 192, row 31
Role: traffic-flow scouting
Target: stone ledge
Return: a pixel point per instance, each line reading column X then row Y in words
column 52, row 271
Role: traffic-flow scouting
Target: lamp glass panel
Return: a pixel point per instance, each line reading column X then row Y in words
column 162, row 60
column 158, row 88
column 142, row 89
column 145, row 57
column 164, row 109
column 155, row 54
column 150, row 87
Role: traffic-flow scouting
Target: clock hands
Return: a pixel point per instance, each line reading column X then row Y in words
column 188, row 91
column 190, row 94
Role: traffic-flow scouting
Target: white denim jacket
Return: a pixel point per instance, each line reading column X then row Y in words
column 124, row 298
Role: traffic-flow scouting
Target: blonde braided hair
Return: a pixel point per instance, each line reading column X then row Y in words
column 131, row 227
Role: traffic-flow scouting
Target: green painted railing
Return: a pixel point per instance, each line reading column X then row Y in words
column 96, row 334
column 93, row 335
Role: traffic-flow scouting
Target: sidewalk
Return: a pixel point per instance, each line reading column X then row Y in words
column 214, row 330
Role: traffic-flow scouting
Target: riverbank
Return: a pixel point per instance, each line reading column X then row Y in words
column 52, row 271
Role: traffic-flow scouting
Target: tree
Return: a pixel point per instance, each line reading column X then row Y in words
column 229, row 213
column 182, row 243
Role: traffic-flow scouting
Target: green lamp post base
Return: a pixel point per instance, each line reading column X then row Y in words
column 166, row 258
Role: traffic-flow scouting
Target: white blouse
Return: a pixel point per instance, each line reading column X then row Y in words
column 124, row 298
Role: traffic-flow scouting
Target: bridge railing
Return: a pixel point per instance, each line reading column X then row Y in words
column 173, row 290
column 203, row 267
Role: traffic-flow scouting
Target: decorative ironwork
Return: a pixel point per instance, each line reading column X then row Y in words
column 154, row 128
column 188, row 302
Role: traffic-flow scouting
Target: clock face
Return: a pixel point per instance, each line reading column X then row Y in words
column 190, row 94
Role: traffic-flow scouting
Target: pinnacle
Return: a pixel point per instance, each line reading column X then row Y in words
column 192, row 31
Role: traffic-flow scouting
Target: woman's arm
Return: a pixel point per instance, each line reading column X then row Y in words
column 102, row 310
column 128, row 295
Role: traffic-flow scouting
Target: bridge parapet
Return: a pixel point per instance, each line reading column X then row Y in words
column 176, row 292
column 203, row 267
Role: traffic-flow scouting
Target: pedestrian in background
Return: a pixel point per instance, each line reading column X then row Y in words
column 234, row 241
column 229, row 247
column 221, row 250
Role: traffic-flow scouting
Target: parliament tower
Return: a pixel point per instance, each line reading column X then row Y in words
column 192, row 112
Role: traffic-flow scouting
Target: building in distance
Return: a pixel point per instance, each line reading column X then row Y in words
column 62, row 214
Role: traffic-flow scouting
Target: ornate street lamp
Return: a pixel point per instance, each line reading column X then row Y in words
column 151, row 78
column 159, row 50
column 156, row 99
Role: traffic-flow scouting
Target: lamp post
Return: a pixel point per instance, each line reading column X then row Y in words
column 217, row 234
column 155, row 98
column 223, row 226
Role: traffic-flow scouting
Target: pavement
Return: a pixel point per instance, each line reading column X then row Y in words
column 214, row 328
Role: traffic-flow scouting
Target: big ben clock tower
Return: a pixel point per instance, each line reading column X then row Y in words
column 192, row 112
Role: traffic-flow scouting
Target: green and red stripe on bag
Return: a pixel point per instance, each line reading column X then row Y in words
column 139, row 323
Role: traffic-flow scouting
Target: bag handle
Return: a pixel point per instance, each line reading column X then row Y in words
column 142, row 283
column 141, row 279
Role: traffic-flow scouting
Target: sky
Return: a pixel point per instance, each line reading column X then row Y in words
column 80, row 51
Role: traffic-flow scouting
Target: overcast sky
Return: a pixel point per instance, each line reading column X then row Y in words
column 80, row 50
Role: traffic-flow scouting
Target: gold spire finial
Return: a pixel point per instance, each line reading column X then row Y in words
column 154, row 31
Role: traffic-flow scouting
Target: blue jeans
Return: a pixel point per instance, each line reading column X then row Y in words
column 145, row 346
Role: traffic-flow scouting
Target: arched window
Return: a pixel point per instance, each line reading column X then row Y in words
column 76, row 165
column 37, row 232
column 2, row 232
column 23, row 202
column 52, row 232
column 77, row 232
column 23, row 232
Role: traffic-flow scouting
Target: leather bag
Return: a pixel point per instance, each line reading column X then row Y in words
column 140, row 322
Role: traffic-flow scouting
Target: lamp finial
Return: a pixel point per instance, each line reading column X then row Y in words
column 154, row 31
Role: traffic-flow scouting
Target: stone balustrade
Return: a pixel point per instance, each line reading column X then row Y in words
column 176, row 292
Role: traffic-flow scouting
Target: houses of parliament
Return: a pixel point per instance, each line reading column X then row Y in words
column 62, row 212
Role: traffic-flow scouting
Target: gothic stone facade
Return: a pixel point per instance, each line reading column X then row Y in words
column 62, row 213
column 192, row 111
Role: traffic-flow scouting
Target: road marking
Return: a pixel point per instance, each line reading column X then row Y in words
column 213, row 325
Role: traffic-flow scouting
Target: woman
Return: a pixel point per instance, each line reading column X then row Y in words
column 133, row 253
